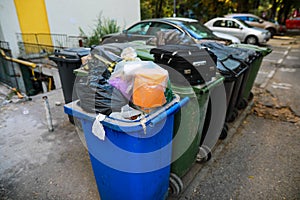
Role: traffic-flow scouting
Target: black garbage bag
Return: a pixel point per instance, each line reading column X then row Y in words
column 97, row 96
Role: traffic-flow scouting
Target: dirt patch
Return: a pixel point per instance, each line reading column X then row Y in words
column 268, row 106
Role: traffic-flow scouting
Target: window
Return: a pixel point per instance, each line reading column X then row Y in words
column 226, row 24
column 139, row 29
column 219, row 23
column 232, row 24
column 197, row 30
column 155, row 27
column 253, row 19
column 244, row 18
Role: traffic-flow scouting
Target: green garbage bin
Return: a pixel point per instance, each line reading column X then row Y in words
column 254, row 67
column 188, row 130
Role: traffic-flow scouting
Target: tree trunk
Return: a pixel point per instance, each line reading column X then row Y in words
column 160, row 8
column 242, row 6
column 285, row 8
column 274, row 8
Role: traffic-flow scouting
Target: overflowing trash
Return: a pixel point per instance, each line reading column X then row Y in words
column 130, row 94
column 114, row 81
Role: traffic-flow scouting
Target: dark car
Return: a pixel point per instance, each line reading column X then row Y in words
column 293, row 23
column 146, row 29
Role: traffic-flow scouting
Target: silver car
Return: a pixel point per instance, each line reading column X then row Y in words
column 147, row 29
column 256, row 21
column 246, row 33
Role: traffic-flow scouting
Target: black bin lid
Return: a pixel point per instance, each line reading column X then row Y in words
column 79, row 51
column 245, row 55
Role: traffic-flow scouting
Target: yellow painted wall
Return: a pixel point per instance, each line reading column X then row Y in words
column 33, row 18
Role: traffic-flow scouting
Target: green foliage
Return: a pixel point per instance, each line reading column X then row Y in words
column 102, row 27
column 203, row 10
column 156, row 8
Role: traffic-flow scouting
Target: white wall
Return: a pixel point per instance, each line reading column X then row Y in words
column 66, row 16
column 9, row 24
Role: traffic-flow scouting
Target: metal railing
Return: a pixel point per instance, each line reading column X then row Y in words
column 44, row 43
column 5, row 46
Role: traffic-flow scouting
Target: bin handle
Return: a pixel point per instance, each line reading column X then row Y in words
column 170, row 111
column 233, row 58
column 233, row 72
column 67, row 55
column 207, row 88
column 61, row 58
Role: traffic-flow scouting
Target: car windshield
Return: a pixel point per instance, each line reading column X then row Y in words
column 198, row 31
column 244, row 23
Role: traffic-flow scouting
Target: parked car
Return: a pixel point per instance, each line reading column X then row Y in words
column 256, row 21
column 293, row 23
column 238, row 28
column 146, row 29
column 282, row 28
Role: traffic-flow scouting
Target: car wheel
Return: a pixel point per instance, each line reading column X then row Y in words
column 272, row 31
column 251, row 40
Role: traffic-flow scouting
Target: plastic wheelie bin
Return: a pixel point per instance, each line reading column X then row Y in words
column 221, row 104
column 233, row 72
column 133, row 160
column 214, row 127
column 182, row 62
column 245, row 56
column 188, row 127
column 67, row 61
column 255, row 66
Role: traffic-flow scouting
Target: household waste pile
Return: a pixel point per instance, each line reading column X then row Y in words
column 120, row 85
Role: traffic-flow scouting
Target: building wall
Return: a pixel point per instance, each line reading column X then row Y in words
column 9, row 24
column 66, row 16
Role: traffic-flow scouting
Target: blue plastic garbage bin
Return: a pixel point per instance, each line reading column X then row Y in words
column 133, row 161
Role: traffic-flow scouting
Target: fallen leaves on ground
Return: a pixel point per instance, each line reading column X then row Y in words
column 268, row 106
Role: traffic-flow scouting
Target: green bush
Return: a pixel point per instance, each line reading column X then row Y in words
column 102, row 27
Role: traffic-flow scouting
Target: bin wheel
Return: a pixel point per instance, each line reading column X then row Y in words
column 204, row 154
column 251, row 95
column 243, row 104
column 236, row 112
column 223, row 134
column 226, row 127
column 175, row 184
column 233, row 115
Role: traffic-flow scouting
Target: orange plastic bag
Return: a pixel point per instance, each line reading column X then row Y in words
column 142, row 82
column 149, row 87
